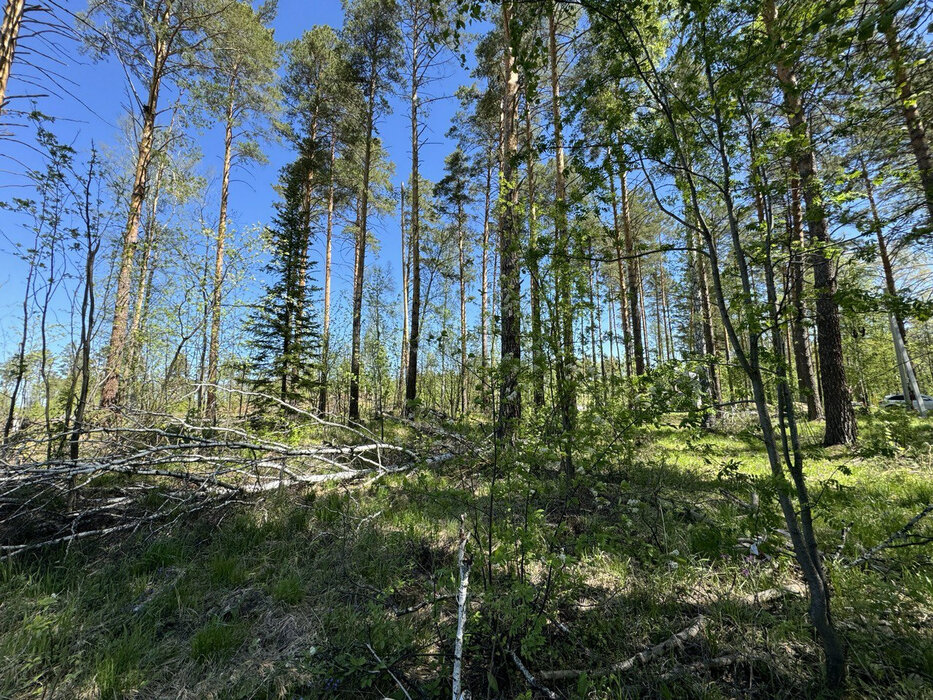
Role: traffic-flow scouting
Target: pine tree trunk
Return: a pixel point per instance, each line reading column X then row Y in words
column 146, row 272
column 623, row 293
column 510, row 399
column 704, row 338
column 709, row 339
column 461, row 243
column 411, row 380
column 658, row 321
column 213, row 357
column 566, row 362
column 909, row 103
column 591, row 291
column 360, row 262
column 599, row 327
column 110, row 391
column 534, row 272
column 9, row 33
column 841, row 427
column 646, row 343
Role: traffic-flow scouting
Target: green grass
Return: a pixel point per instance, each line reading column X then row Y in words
column 297, row 595
column 217, row 640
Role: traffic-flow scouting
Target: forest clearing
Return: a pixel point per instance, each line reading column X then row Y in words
column 459, row 349
column 350, row 588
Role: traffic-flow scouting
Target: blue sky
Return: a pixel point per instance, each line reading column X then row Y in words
column 97, row 102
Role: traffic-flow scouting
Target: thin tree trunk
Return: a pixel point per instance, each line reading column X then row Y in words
column 803, row 538
column 21, row 353
column 646, row 340
column 709, row 338
column 889, row 281
column 905, row 370
column 612, row 330
column 484, row 276
column 146, row 269
column 110, row 391
column 666, row 314
column 658, row 322
column 213, row 356
column 566, row 362
column 328, row 246
column 591, row 291
column 631, row 264
column 205, row 338
column 623, row 293
column 403, row 360
column 599, row 330
column 360, row 263
column 88, row 303
column 800, row 529
column 461, row 244
column 807, row 384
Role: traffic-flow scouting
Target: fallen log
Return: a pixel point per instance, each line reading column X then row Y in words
column 675, row 640
column 642, row 657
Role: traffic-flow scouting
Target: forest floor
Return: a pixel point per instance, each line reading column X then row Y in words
column 349, row 589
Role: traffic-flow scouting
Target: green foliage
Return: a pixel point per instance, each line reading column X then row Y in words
column 284, row 331
column 892, row 431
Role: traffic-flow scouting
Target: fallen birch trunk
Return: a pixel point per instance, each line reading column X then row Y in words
column 676, row 640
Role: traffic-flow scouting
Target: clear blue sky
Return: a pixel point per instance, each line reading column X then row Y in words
column 98, row 100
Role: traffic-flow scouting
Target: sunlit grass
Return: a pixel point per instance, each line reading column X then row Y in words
column 282, row 599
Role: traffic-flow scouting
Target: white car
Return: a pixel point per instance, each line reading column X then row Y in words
column 897, row 401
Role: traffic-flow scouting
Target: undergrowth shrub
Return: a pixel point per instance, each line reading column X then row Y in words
column 886, row 433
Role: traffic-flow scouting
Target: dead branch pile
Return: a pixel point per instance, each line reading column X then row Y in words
column 153, row 469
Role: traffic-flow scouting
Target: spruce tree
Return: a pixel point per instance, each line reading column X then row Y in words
column 284, row 333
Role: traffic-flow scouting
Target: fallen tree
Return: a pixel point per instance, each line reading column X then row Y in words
column 157, row 468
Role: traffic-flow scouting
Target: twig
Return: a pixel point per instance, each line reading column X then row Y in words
column 394, row 677
column 530, row 679
column 901, row 534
